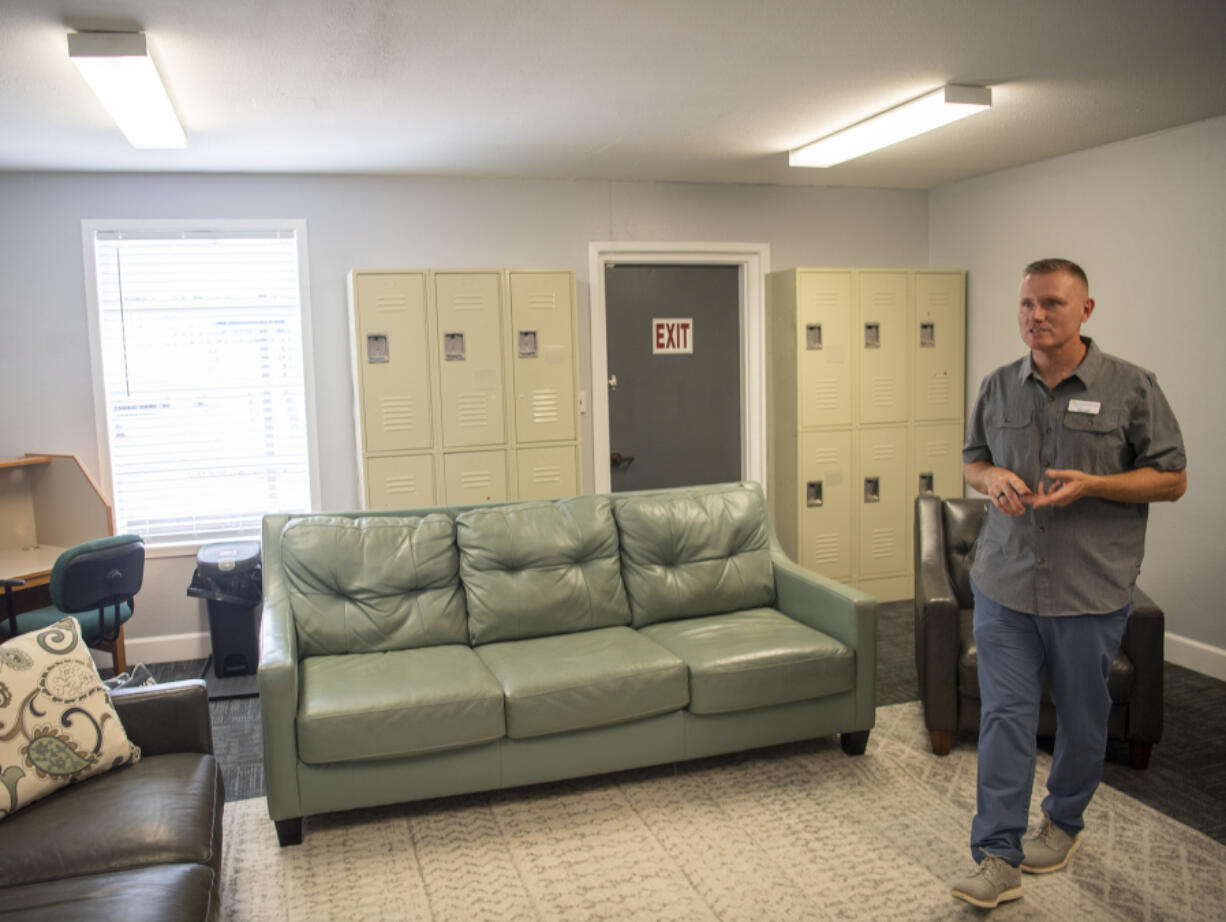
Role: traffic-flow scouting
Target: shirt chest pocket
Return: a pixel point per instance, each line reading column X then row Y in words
column 1095, row 443
column 1012, row 439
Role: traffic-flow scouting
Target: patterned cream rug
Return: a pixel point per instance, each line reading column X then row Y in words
column 795, row 832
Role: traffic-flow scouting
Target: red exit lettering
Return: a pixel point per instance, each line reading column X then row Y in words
column 673, row 336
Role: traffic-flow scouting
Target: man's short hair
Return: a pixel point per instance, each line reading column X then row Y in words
column 1050, row 266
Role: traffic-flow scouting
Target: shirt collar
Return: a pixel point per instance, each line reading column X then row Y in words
column 1086, row 372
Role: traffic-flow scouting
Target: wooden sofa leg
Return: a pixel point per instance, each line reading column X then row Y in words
column 1138, row 755
column 855, row 743
column 942, row 741
column 289, row 832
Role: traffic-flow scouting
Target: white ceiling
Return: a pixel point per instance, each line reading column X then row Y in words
column 685, row 90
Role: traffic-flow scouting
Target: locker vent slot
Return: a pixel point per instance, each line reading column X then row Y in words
column 883, row 451
column 399, row 414
column 467, row 303
column 543, row 302
column 826, row 394
column 883, row 543
column 404, row 484
column 473, row 411
column 475, row 480
column 391, row 304
column 546, row 474
column 826, row 456
column 884, row 390
column 546, row 405
column 825, row 299
column 826, row 549
column 937, row 449
column 938, row 392
column 885, row 299
column 938, row 299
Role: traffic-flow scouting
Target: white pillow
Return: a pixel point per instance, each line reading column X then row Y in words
column 57, row 725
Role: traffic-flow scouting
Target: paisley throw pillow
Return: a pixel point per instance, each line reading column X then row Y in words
column 57, row 725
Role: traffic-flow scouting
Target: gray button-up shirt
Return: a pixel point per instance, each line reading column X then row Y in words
column 1108, row 417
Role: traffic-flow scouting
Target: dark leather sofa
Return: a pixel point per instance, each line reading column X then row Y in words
column 946, row 534
column 139, row 842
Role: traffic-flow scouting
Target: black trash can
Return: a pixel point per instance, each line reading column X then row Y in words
column 228, row 577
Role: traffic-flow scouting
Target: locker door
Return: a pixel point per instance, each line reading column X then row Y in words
column 475, row 476
column 826, row 502
column 393, row 361
column 882, row 493
column 938, row 335
column 881, row 341
column 823, row 345
column 543, row 356
column 404, row 482
column 937, row 459
column 547, row 473
column 470, row 358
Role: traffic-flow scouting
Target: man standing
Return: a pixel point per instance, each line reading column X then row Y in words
column 1070, row 445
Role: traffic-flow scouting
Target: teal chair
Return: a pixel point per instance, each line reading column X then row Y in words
column 95, row 582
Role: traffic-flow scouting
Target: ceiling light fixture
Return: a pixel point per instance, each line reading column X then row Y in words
column 940, row 107
column 117, row 67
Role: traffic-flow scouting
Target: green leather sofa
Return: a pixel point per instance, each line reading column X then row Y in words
column 428, row 652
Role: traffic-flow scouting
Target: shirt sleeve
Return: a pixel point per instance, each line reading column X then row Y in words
column 975, row 448
column 1154, row 432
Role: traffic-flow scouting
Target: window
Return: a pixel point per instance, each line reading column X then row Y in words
column 202, row 386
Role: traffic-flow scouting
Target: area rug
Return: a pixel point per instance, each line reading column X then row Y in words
column 792, row 832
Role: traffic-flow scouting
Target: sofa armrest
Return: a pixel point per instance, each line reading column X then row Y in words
column 278, row 678
column 846, row 614
column 938, row 641
column 1144, row 644
column 172, row 717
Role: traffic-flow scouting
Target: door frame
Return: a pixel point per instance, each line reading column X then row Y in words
column 753, row 262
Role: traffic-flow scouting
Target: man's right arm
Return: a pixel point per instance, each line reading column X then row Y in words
column 1003, row 487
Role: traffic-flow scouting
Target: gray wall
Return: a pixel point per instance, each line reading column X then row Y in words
column 1147, row 220
column 366, row 222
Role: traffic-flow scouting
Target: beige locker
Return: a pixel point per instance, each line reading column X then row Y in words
column 400, row 482
column 825, row 501
column 936, row 465
column 547, row 472
column 882, row 345
column 475, row 477
column 823, row 347
column 393, row 361
column 543, row 356
column 939, row 345
column 883, row 494
column 469, row 352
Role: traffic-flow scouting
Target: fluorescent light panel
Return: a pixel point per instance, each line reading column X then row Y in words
column 117, row 67
column 930, row 111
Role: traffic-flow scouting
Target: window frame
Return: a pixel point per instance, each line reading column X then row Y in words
column 90, row 227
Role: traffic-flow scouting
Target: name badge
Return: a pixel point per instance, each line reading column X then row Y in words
column 1085, row 406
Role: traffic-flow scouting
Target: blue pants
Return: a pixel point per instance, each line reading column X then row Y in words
column 1016, row 652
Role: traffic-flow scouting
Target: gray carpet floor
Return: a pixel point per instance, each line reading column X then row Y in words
column 1186, row 778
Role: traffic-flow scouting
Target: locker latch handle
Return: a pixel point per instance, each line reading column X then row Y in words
column 872, row 336
column 813, row 336
column 813, row 493
column 376, row 349
column 928, row 335
column 527, row 344
column 453, row 347
column 926, row 483
column 872, row 489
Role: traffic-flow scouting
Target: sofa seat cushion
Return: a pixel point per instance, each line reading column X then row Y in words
column 165, row 808
column 540, row 568
column 700, row 551
column 169, row 891
column 755, row 658
column 589, row 679
column 404, row 702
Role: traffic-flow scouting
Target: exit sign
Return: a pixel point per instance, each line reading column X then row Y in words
column 672, row 335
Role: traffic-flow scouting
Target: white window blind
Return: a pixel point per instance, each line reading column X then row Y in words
column 202, row 362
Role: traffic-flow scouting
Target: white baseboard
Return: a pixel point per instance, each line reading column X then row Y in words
column 1195, row 655
column 168, row 648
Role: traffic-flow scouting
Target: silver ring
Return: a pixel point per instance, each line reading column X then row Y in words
column 1000, row 495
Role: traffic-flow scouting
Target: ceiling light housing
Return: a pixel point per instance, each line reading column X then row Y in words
column 932, row 110
column 117, row 67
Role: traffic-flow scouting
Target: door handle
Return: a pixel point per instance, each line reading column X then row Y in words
column 620, row 461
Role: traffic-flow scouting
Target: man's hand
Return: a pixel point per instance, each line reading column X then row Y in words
column 1142, row 485
column 1069, row 486
column 1007, row 491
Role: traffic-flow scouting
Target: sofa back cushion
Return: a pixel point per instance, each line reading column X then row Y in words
column 698, row 552
column 371, row 584
column 532, row 569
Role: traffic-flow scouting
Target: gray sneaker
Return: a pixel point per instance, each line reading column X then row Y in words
column 1049, row 849
column 994, row 882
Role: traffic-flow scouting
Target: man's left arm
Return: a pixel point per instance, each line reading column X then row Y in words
column 1142, row 485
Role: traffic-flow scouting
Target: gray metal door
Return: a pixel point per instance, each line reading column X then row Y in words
column 674, row 415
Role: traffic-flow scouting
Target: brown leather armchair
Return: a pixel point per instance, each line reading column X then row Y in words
column 946, row 533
